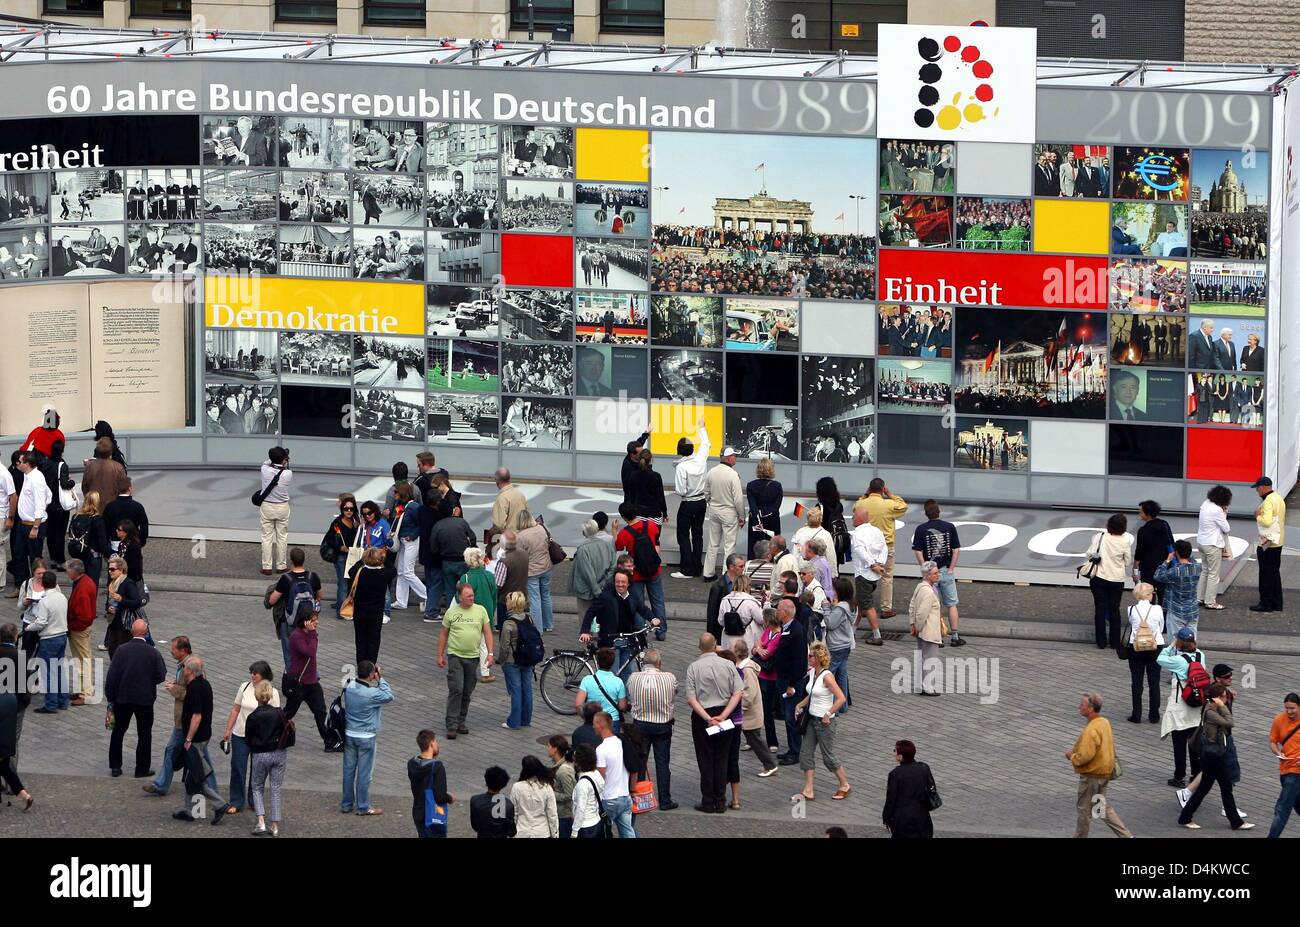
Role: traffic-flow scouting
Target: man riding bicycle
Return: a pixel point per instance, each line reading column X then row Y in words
column 617, row 613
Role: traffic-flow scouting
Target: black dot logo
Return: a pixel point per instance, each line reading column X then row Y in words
column 923, row 117
column 929, row 49
column 930, row 73
column 928, row 96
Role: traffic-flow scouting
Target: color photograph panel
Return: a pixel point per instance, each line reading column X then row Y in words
column 1072, row 171
column 1151, row 229
column 1141, row 395
column 1229, row 288
column 608, row 371
column 915, row 331
column 686, row 321
column 1231, row 218
column 914, row 221
column 908, row 166
column 1000, row 444
column 1230, row 399
column 1235, row 345
column 1148, row 285
column 463, row 366
column 1139, row 341
column 1152, row 173
column 993, row 223
column 612, row 318
column 762, row 324
column 914, row 385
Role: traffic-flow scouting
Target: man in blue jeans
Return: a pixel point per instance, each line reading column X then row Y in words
column 616, row 800
column 1284, row 740
column 363, row 703
column 181, row 649
column 791, row 669
column 51, row 623
column 651, row 582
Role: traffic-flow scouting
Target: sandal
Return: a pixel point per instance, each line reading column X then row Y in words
column 841, row 794
column 800, row 796
column 734, row 806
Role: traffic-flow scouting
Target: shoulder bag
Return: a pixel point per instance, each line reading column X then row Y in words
column 354, row 552
column 603, row 826
column 435, row 813
column 69, row 496
column 802, row 724
column 1088, row 569
column 349, row 603
column 260, row 496
column 554, row 550
column 932, row 791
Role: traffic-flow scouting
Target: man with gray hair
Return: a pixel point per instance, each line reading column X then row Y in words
column 759, row 570
column 651, row 692
column 196, row 723
column 1093, row 759
column 131, row 687
column 724, row 513
column 1225, row 352
column 1200, row 347
column 713, row 690
column 593, row 567
column 721, row 588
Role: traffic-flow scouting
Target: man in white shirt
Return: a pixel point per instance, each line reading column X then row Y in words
column 1169, row 241
column 688, row 479
column 33, row 502
column 8, row 506
column 724, row 513
column 615, row 798
column 274, row 512
column 1212, row 532
column 870, row 554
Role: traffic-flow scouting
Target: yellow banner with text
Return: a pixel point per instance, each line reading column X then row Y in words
column 289, row 304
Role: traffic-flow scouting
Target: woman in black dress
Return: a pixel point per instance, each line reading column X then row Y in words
column 828, row 497
column 907, row 796
column 369, row 581
column 764, row 496
column 1155, row 541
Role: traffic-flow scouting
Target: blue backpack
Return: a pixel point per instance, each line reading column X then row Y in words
column 529, row 649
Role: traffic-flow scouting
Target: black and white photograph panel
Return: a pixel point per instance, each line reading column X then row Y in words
column 536, row 315
column 239, row 248
column 612, row 318
column 537, row 151
column 684, row 376
column 611, row 372
column 614, row 210
column 396, row 200
column 241, row 409
column 163, row 195
column 388, row 254
column 315, row 143
column 545, row 424
column 463, row 365
column 316, row 411
column 758, row 433
column 541, row 369
column 463, row 257
column 461, row 311
column 448, row 206
column 466, row 153
column 388, row 415
column 316, row 251
column 240, row 140
column 315, row 358
column 242, row 356
column 984, row 443
column 162, row 248
column 390, row 146
column 600, row 264
column 687, row 321
column 88, row 251
column 239, row 196
column 538, row 206
column 839, row 409
column 315, row 196
column 24, row 198
column 388, row 360
column 89, row 196
column 458, row 418
column 24, row 254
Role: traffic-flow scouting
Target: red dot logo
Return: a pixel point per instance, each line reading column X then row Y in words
column 982, row 69
column 983, row 93
column 952, row 43
column 970, row 53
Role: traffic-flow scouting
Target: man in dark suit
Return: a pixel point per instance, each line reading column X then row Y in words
column 135, row 201
column 1162, row 337
column 1047, row 182
column 1225, row 352
column 897, row 344
column 63, row 259
column 173, row 200
column 526, row 148
column 1088, row 183
column 157, row 195
column 1124, row 386
column 1200, row 347
column 591, row 371
column 1121, row 242
column 131, row 688
column 125, row 508
column 791, row 668
column 187, row 253
column 191, row 193
column 114, row 258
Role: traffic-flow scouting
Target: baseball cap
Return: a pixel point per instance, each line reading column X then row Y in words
column 1262, row 481
column 728, row 451
column 1222, row 669
column 1186, row 634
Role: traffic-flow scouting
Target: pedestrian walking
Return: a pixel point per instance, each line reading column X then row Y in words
column 364, row 699
column 561, row 757
column 193, row 755
column 233, row 741
column 1285, row 745
column 908, row 794
column 484, row 583
column 273, row 511
column 1222, row 674
column 268, row 735
column 1180, row 576
column 1216, row 724
column 1270, row 519
column 1145, row 638
column 491, row 813
column 927, row 627
column 407, row 534
column 1111, row 557
column 464, row 625
column 1212, row 533
column 713, row 690
column 297, row 587
column 751, row 707
column 131, row 688
column 883, row 509
column 791, row 666
column 302, row 680
column 650, row 693
column 1182, row 658
column 615, row 796
column 533, row 795
column 181, row 650
column 724, row 513
column 1093, row 759
column 821, row 703
column 519, row 678
column 368, row 589
column 429, row 795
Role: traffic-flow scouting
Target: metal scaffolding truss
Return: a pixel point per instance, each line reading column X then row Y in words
column 27, row 41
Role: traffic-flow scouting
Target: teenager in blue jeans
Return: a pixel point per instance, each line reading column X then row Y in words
column 519, row 679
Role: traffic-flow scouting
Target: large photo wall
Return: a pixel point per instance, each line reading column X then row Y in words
column 563, row 271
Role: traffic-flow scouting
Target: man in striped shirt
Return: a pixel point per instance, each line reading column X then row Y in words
column 651, row 692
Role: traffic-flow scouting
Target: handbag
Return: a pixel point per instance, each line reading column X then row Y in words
column 354, row 552
column 1088, row 569
column 261, row 494
column 349, row 603
column 932, row 791
column 554, row 550
column 435, row 814
column 329, row 551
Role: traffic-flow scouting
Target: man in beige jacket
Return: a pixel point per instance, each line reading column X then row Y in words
column 883, row 507
column 724, row 513
column 927, row 628
column 510, row 506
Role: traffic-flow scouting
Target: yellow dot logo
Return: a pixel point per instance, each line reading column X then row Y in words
column 949, row 118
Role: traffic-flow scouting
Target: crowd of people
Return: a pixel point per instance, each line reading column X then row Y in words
column 1147, row 286
column 545, row 369
column 239, row 252
column 771, row 276
column 1220, row 234
column 985, row 223
column 1210, row 290
column 461, row 209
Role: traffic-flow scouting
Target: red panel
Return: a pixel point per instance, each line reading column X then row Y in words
column 537, row 260
column 970, row 278
column 1224, row 455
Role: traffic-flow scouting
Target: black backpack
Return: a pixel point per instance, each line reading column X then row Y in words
column 77, row 541
column 529, row 649
column 733, row 625
column 644, row 556
column 336, row 724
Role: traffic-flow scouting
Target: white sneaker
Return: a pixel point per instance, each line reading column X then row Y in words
column 387, row 618
column 1240, row 813
column 680, row 575
column 1184, row 796
column 744, row 747
column 768, row 772
column 774, row 749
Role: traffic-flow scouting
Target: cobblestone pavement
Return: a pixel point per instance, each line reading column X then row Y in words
column 999, row 766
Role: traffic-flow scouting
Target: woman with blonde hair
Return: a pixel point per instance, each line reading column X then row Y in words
column 822, row 702
column 368, row 589
column 87, row 538
column 519, row 679
column 812, row 531
column 267, row 739
column 1146, row 627
column 748, row 623
column 764, row 495
column 123, row 604
column 534, row 540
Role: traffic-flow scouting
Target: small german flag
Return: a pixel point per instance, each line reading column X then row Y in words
column 799, row 509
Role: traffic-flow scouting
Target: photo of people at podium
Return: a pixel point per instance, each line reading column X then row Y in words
column 24, row 198
column 240, row 356
column 908, row 166
column 759, row 434
column 170, row 195
column 612, row 318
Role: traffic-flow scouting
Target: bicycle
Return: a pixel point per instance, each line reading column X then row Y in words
column 560, row 675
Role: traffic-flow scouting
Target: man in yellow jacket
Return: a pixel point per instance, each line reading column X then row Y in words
column 1270, row 518
column 882, row 508
column 1093, row 758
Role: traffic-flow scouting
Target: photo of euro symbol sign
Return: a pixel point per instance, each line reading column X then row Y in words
column 1157, row 172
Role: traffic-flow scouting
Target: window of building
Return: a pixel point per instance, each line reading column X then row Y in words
column 161, row 9
column 394, row 12
column 631, row 15
column 546, row 13
column 306, row 11
column 86, row 7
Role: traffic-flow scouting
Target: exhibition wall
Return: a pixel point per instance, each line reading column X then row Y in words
column 1063, row 317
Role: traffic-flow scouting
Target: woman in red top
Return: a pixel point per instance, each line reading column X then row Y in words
column 301, row 680
column 764, row 654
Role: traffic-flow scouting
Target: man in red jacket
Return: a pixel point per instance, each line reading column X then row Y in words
column 81, row 615
column 650, row 583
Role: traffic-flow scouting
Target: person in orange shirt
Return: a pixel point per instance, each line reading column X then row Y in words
column 1284, row 740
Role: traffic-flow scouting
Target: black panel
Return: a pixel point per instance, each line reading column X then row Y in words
column 1150, row 30
column 125, row 141
column 315, row 412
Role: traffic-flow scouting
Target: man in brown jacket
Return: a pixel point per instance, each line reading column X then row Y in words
column 1093, row 758
column 104, row 475
column 510, row 506
column 162, row 783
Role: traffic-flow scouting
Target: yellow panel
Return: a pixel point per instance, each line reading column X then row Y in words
column 670, row 421
column 1072, row 226
column 614, row 154
column 313, row 305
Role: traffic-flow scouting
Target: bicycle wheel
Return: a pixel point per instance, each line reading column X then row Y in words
column 561, row 677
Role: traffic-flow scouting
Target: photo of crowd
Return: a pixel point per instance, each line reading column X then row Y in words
column 463, row 365
column 1072, row 171
column 164, row 195
column 388, row 415
column 615, row 210
column 388, row 360
column 459, row 418
column 461, row 311
column 536, row 315
column 24, row 254
column 1027, row 362
column 686, row 321
column 243, row 356
column 1231, row 218
column 388, row 146
column 603, row 264
column 838, row 401
column 686, row 376
column 162, row 248
column 1152, row 173
column 235, row 409
column 1236, row 346
column 1229, row 287
column 541, row 369
column 612, row 318
column 1147, row 285
column 24, row 198
column 991, row 443
column 315, row 358
column 763, row 433
column 538, row 151
column 538, row 423
column 917, row 166
column 1151, row 229
column 84, row 195
column 239, row 248
column 912, row 221
column 1225, row 399
column 538, row 206
column 913, row 385
column 230, row 196
column 914, row 331
column 1151, row 342
column 388, row 255
column 88, row 251
column 315, row 143
column 761, row 324
column 397, row 200
column 322, row 197
column 993, row 223
column 449, row 206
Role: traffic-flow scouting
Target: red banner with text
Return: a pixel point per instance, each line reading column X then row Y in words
column 981, row 278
